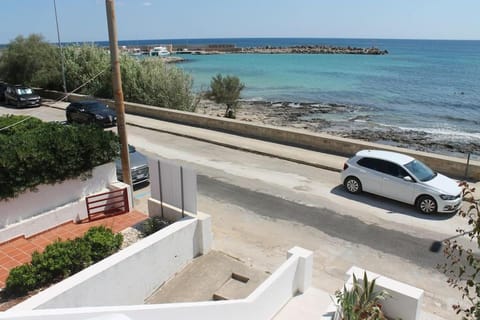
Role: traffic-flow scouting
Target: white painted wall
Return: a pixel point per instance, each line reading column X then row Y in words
column 132, row 274
column 263, row 303
column 70, row 212
column 49, row 197
column 31, row 222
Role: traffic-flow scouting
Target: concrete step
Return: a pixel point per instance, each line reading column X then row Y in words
column 312, row 304
column 235, row 287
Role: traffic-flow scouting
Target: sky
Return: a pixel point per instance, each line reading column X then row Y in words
column 85, row 20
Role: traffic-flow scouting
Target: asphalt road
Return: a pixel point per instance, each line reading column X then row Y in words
column 347, row 228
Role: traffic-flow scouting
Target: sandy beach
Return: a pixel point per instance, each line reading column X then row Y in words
column 305, row 116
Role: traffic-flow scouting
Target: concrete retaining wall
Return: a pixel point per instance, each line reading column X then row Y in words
column 454, row 167
column 35, row 211
column 293, row 276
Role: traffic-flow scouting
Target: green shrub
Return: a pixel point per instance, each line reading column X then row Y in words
column 226, row 90
column 361, row 301
column 152, row 225
column 31, row 61
column 20, row 280
column 30, row 150
column 152, row 82
column 62, row 259
column 103, row 242
column 82, row 65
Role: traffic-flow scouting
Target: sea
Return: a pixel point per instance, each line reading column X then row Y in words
column 425, row 85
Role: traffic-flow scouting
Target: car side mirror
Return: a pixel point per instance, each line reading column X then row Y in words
column 408, row 178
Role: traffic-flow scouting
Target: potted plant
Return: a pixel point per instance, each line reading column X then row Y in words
column 361, row 302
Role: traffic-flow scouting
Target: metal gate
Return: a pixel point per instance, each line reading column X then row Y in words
column 112, row 202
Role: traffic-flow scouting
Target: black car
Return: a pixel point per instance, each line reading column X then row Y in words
column 22, row 96
column 91, row 112
column 138, row 165
column 3, row 87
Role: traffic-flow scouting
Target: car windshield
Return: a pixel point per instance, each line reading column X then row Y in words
column 420, row 170
column 95, row 107
column 21, row 91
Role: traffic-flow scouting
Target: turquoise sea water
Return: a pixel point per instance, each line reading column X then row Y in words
column 421, row 84
column 427, row 85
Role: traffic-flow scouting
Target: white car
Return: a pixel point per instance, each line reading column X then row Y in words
column 402, row 178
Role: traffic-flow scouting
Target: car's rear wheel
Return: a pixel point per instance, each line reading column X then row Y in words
column 353, row 185
column 427, row 205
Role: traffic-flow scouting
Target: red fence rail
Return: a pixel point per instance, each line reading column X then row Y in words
column 112, row 202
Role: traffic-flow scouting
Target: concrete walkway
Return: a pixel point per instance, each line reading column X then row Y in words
column 281, row 151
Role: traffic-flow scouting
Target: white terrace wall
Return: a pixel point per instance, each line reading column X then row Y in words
column 132, row 274
column 405, row 300
column 51, row 205
column 292, row 277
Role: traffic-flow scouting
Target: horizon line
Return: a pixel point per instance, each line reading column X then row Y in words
column 265, row 37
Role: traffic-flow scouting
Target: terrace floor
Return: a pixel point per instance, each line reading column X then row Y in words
column 18, row 251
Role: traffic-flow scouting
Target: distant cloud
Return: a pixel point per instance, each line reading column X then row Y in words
column 147, row 4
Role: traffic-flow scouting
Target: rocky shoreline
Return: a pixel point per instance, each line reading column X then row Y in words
column 313, row 117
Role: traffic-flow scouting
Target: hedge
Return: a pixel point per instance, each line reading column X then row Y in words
column 62, row 259
column 34, row 152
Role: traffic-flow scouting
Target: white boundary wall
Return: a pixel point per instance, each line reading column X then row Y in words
column 292, row 277
column 52, row 205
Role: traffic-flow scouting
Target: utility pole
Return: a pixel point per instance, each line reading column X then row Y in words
column 61, row 49
column 118, row 93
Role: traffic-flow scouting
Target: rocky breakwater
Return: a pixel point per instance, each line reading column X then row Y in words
column 317, row 49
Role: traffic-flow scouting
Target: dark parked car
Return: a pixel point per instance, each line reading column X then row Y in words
column 138, row 165
column 22, row 96
column 91, row 112
column 3, row 87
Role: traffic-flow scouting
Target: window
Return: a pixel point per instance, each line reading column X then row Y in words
column 394, row 170
column 370, row 163
column 420, row 170
column 383, row 166
column 22, row 91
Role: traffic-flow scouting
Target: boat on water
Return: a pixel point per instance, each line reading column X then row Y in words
column 159, row 52
column 184, row 51
column 135, row 52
